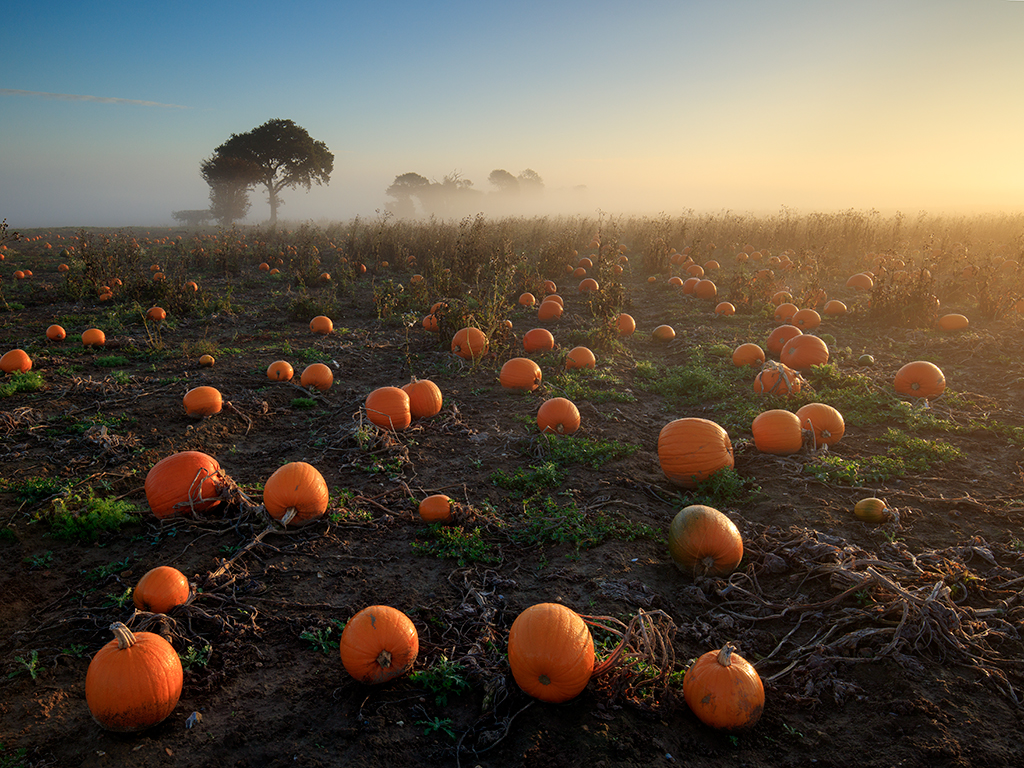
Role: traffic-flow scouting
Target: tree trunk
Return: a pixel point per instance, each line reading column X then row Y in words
column 272, row 196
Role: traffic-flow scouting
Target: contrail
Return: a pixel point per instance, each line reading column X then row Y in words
column 77, row 97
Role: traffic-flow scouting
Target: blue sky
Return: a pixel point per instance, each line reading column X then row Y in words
column 746, row 105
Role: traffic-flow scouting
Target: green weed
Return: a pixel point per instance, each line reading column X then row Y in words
column 196, row 657
column 30, row 665
column 111, row 361
column 18, row 383
column 455, row 542
column 40, row 562
column 324, row 639
column 522, row 483
column 569, row 449
column 85, row 516
column 595, row 385
column 443, row 678
column 546, row 521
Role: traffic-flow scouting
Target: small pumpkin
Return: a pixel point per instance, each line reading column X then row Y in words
column 748, row 354
column 724, row 690
column 549, row 310
column 777, row 432
column 920, row 379
column 824, row 422
column 430, row 323
column 94, row 337
column 436, row 508
column 778, row 379
column 203, row 401
column 321, row 324
column 186, row 482
column 378, row 644
column 558, row 416
column 206, row 361
column 388, row 407
column 588, row 285
column 56, row 333
column 296, row 494
column 156, row 314
column 624, row 324
column 861, row 281
column 870, row 510
column 469, row 343
column 538, row 340
column 527, row 299
column 704, row 542
column 834, row 308
column 520, row 373
column 778, row 337
column 580, row 357
column 725, row 309
column 317, row 376
column 806, row 319
column 280, row 370
column 133, row 682
column 692, row 449
column 550, row 652
column 953, row 322
column 785, row 312
column 663, row 333
column 425, row 398
column 16, row 361
column 161, row 589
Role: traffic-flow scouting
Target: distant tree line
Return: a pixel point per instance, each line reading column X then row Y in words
column 413, row 195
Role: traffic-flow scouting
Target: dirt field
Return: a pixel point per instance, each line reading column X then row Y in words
column 879, row 645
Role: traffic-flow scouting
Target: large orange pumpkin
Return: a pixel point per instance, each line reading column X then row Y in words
column 920, row 379
column 538, row 340
column 690, row 450
column 94, row 337
column 549, row 310
column 558, row 416
column 803, row 352
column 425, row 398
column 436, row 508
column 724, row 690
column 580, row 357
column 388, row 407
column 469, row 343
column 317, row 376
column 17, row 360
column 202, row 401
column 186, row 482
column 778, row 379
column 704, row 542
column 825, row 423
column 747, row 354
column 806, row 319
column 520, row 373
column 861, row 281
column 378, row 644
column 778, row 338
column 624, row 324
column 550, row 652
column 834, row 308
column 705, row 289
column 296, row 494
column 280, row 370
column 56, row 333
column 161, row 589
column 133, row 682
column 785, row 312
column 778, row 432
column 321, row 324
column 953, row 322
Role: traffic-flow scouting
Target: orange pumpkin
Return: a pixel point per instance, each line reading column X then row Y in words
column 549, row 310
column 580, row 357
column 436, row 508
column 834, row 308
column 280, row 370
column 870, row 510
column 588, row 284
column 804, row 351
column 469, row 343
column 317, row 376
column 550, row 652
column 527, row 299
column 724, row 690
column 705, row 289
column 156, row 314
column 953, row 322
column 778, row 337
column 17, row 360
column 322, row 325
column 778, row 379
column 663, row 333
column 430, row 323
column 94, row 337
column 425, row 399
column 920, row 379
column 520, row 373
column 747, row 354
column 558, row 416
column 133, row 682
column 725, row 309
column 777, row 432
column 806, row 319
column 690, row 450
column 388, row 407
column 56, row 333
column 202, row 401
column 187, row 482
column 206, row 361
column 825, row 423
column 861, row 281
column 161, row 589
column 624, row 324
column 704, row 542
column 296, row 494
column 785, row 312
column 538, row 340
column 378, row 644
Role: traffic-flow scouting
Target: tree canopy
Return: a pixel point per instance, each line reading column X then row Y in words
column 455, row 195
column 278, row 154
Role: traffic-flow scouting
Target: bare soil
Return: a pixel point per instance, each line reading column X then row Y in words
column 882, row 645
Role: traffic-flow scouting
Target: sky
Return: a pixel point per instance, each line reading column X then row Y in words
column 107, row 108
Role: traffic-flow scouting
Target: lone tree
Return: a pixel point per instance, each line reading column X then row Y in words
column 229, row 179
column 279, row 154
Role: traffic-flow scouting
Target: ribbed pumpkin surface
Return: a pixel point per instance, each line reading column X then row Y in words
column 550, row 652
column 690, row 450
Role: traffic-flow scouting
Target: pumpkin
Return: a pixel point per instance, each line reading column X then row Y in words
column 538, row 340
column 861, row 281
column 704, row 542
column 785, row 312
column 725, row 309
column 63, row 268
column 550, row 652
column 778, row 338
column 550, row 287
column 378, row 644
column 161, row 589
column 920, row 379
column 94, row 337
column 388, row 407
column 549, row 310
column 191, row 285
column 806, row 319
column 17, row 360
column 778, row 432
column 689, row 284
column 206, row 361
column 425, row 399
column 724, row 690
column 953, row 322
column 295, row 494
column 156, row 314
column 321, row 324
column 663, row 333
column 870, row 510
column 189, row 481
column 436, row 508
column 133, row 682
column 317, row 376
column 527, row 299
column 624, row 324
column 580, row 357
column 280, row 370
column 588, row 284
column 803, row 352
column 520, row 373
column 202, row 401
column 695, row 270
column 469, row 343
column 781, row 297
column 705, row 289
column 578, row 272
column 56, row 333
column 747, row 354
column 557, row 299
column 824, row 422
column 834, row 308
column 430, row 322
column 585, row 262
column 778, row 379
column 691, row 450
column 559, row 416
column 676, row 281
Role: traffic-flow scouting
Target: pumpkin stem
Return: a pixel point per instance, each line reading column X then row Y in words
column 384, row 659
column 725, row 655
column 124, row 636
column 289, row 515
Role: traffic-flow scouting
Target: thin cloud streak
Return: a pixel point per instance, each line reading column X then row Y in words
column 77, row 97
